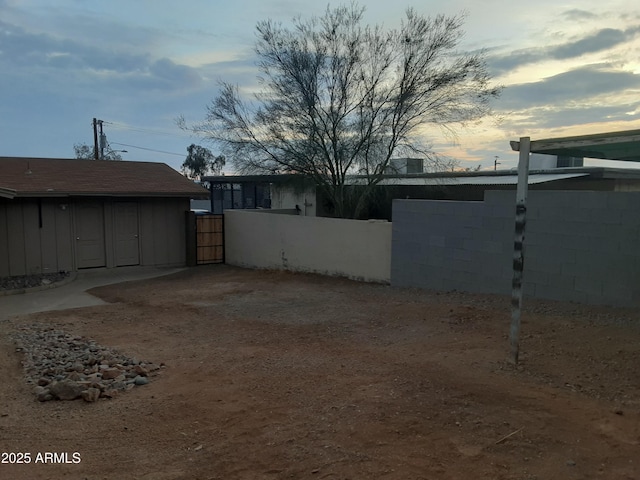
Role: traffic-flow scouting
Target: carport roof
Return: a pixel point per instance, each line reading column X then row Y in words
column 510, row 178
column 50, row 177
column 623, row 146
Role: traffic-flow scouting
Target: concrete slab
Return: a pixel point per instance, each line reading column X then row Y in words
column 74, row 294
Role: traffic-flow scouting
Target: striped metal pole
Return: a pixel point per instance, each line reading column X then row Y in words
column 518, row 246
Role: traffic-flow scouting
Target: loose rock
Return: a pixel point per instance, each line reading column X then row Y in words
column 66, row 389
column 91, row 394
column 42, row 394
column 111, row 373
column 29, row 281
column 140, row 370
column 67, row 367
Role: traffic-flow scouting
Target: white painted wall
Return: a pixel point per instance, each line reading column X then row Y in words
column 358, row 249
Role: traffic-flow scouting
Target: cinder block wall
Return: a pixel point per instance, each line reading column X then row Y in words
column 579, row 246
column 360, row 250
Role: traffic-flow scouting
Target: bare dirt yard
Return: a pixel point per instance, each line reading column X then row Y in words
column 273, row 375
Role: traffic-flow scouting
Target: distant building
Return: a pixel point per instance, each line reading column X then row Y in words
column 405, row 178
column 538, row 161
column 405, row 166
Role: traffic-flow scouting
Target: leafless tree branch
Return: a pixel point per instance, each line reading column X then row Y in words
column 341, row 98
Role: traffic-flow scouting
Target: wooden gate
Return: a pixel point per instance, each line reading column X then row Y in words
column 205, row 239
column 209, row 239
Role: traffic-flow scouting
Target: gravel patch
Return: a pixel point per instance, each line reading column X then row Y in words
column 20, row 282
column 61, row 366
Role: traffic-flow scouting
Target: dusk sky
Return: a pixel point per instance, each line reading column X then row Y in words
column 569, row 68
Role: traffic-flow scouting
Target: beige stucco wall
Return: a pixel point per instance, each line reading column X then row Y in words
column 357, row 249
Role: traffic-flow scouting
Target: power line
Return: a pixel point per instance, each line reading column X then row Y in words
column 124, row 126
column 150, row 149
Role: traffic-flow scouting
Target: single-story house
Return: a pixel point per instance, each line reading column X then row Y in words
column 70, row 214
column 463, row 186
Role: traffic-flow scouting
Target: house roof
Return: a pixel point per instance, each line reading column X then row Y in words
column 50, row 177
column 267, row 178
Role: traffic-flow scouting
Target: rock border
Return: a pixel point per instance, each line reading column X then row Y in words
column 71, row 276
column 62, row 366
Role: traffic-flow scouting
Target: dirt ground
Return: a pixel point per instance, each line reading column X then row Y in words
column 273, row 375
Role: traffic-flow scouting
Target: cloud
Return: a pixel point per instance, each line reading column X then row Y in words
column 577, row 15
column 25, row 49
column 25, row 53
column 541, row 118
column 603, row 39
column 580, row 84
column 589, row 94
column 504, row 63
column 174, row 74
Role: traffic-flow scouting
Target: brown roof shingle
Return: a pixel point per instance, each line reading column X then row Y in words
column 36, row 177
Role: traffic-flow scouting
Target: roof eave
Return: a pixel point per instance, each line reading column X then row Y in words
column 111, row 195
column 622, row 146
column 7, row 193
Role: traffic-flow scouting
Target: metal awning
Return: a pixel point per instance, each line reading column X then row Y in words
column 479, row 179
column 624, row 146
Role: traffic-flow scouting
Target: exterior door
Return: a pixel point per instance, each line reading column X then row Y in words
column 127, row 249
column 90, row 235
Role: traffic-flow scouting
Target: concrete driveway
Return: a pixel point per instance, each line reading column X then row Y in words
column 74, row 294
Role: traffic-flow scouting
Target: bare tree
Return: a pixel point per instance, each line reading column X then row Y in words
column 85, row 152
column 340, row 98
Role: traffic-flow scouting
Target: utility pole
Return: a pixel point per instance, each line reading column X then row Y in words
column 496, row 163
column 95, row 138
column 98, row 147
column 103, row 141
